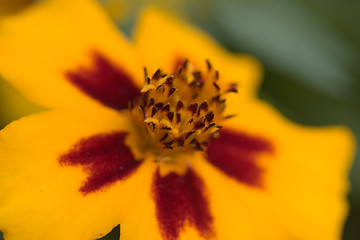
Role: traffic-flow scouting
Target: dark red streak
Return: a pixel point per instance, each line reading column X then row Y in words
column 106, row 82
column 235, row 154
column 180, row 200
column 104, row 157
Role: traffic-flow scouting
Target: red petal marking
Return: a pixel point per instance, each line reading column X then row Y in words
column 105, row 82
column 235, row 154
column 105, row 158
column 180, row 199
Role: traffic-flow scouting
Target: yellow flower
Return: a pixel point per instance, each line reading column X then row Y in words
column 151, row 155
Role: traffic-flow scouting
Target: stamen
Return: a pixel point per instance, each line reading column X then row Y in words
column 193, row 108
column 157, row 75
column 170, row 116
column 198, row 125
column 180, row 112
column 179, row 105
column 210, row 117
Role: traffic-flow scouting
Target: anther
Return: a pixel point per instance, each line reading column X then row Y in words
column 189, row 134
column 171, row 91
column 151, row 102
column 198, row 125
column 160, row 88
column 154, row 111
column 169, row 81
column 179, row 105
column 230, row 116
column 204, row 106
column 216, row 86
column 164, row 137
column 143, row 110
column 197, row 75
column 217, row 75
column 157, row 75
column 193, row 108
column 159, row 105
column 186, row 63
column 208, row 64
column 210, row 117
column 147, row 79
column 178, row 117
column 209, row 126
column 166, row 108
column 170, row 116
column 169, row 143
column 232, row 88
column 215, row 99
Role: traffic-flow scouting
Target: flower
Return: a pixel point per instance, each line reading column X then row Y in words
column 94, row 161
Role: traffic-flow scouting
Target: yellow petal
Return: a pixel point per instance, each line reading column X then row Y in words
column 40, row 45
column 13, row 105
column 230, row 220
column 40, row 199
column 239, row 211
column 162, row 41
column 306, row 177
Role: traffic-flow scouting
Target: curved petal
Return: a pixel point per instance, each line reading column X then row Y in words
column 187, row 207
column 235, row 155
column 163, row 42
column 240, row 211
column 42, row 198
column 181, row 199
column 13, row 105
column 305, row 179
column 46, row 43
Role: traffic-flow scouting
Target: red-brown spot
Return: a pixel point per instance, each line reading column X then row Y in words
column 235, row 154
column 180, row 200
column 104, row 157
column 105, row 82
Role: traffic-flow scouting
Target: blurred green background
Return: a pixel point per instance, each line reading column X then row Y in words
column 310, row 51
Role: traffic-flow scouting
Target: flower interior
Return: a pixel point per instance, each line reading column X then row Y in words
column 180, row 112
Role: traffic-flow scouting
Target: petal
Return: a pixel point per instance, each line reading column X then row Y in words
column 235, row 154
column 43, row 199
column 61, row 37
column 162, row 42
column 105, row 82
column 181, row 199
column 239, row 211
column 200, row 208
column 305, row 179
column 13, row 105
column 105, row 157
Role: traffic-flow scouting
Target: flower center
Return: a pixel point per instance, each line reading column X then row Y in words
column 180, row 112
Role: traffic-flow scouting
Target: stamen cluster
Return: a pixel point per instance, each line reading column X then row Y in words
column 180, row 112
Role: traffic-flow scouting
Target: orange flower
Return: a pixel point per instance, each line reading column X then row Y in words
column 149, row 152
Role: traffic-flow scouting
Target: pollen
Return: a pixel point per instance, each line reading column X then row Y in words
column 181, row 112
